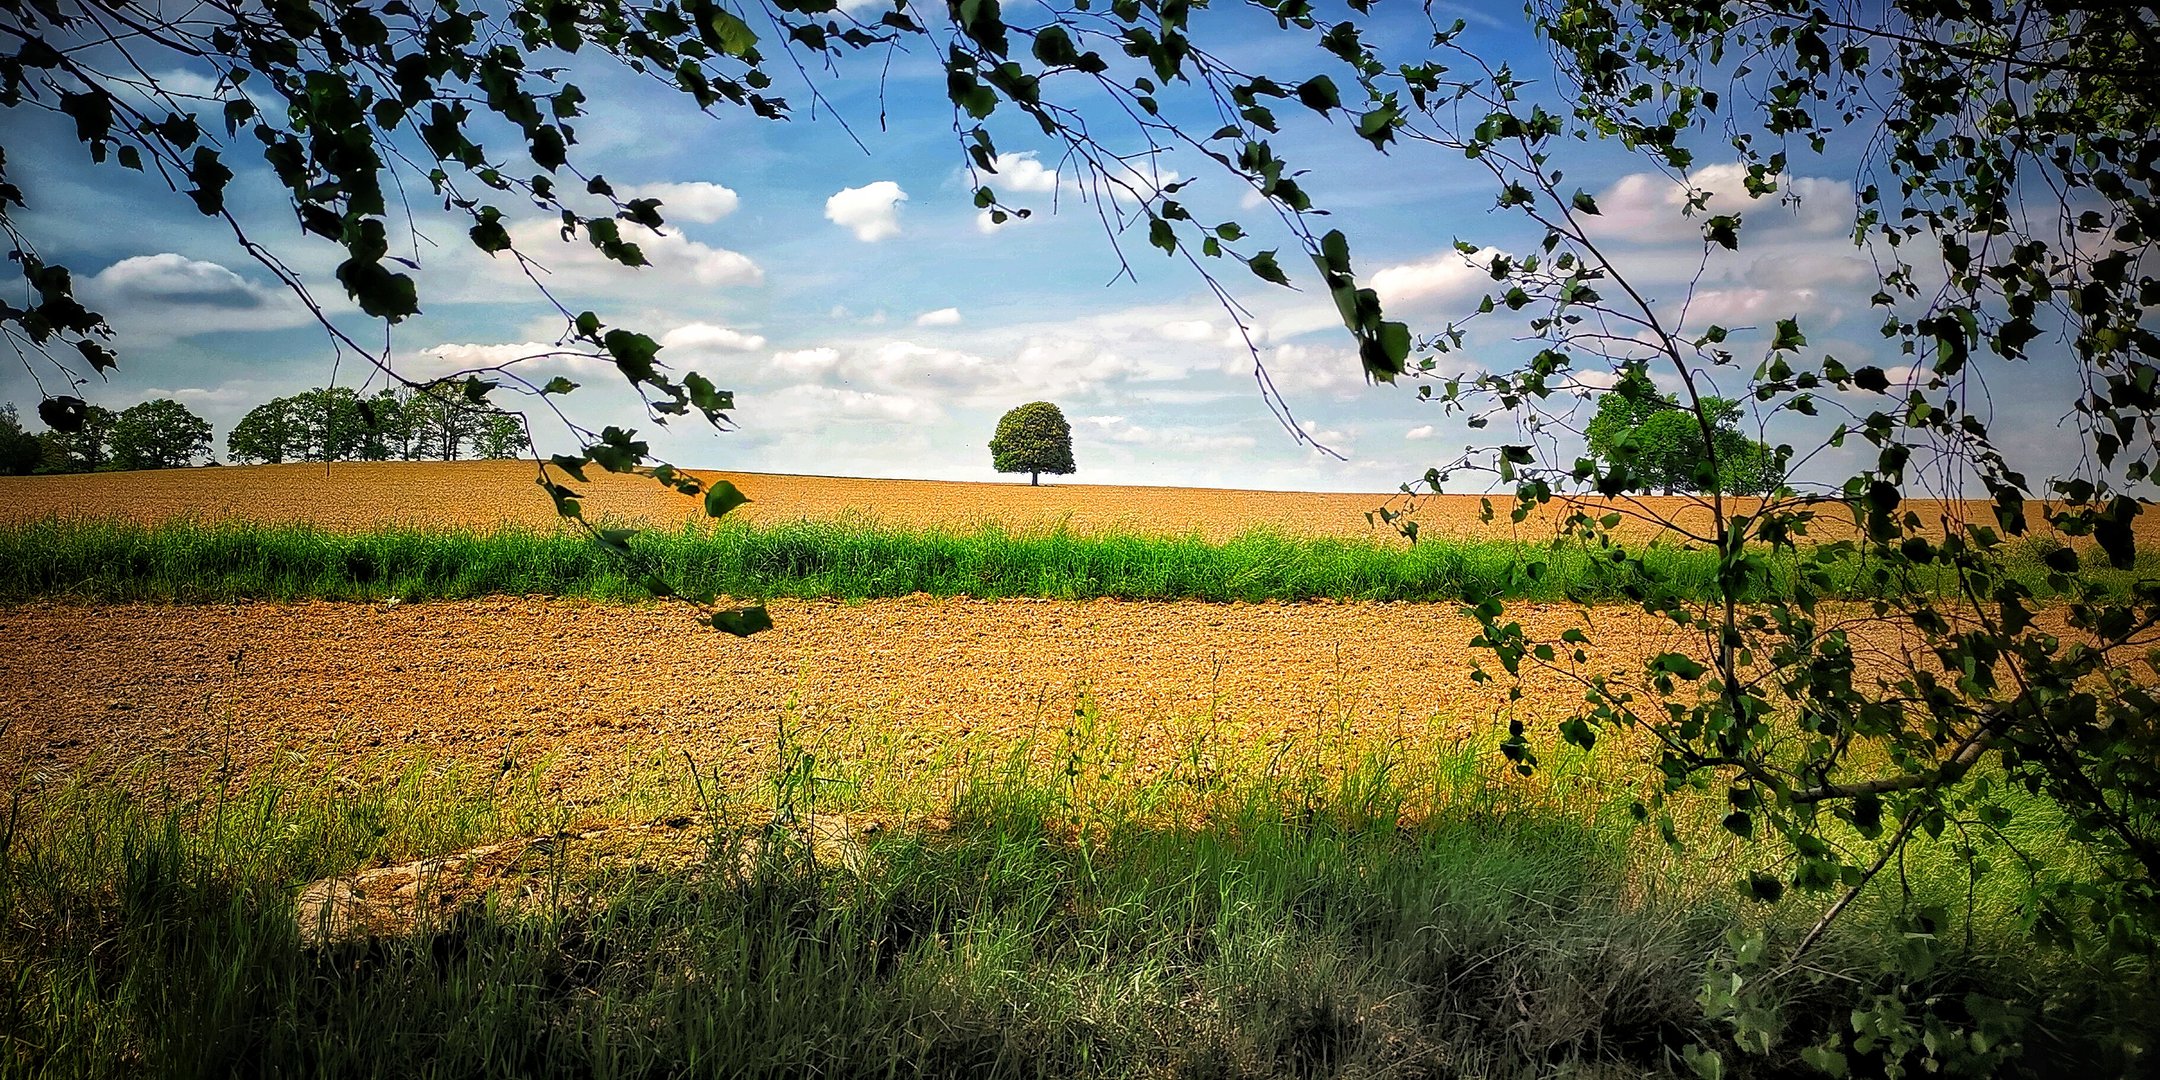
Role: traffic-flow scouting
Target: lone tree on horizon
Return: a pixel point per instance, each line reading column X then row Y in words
column 1035, row 439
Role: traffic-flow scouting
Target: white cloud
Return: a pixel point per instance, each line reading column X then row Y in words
column 167, row 296
column 1295, row 368
column 1021, row 172
column 1422, row 431
column 168, row 278
column 1445, row 278
column 697, row 200
column 941, row 317
column 871, row 212
column 1332, row 438
column 806, row 363
column 1650, row 207
column 809, row 407
column 1181, row 440
column 1187, row 330
column 673, row 258
column 707, row 338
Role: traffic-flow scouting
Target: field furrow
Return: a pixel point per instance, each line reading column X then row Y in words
column 598, row 691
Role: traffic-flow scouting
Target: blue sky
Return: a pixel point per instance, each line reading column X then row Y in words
column 872, row 323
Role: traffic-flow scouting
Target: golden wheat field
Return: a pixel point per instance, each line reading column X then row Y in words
column 489, row 494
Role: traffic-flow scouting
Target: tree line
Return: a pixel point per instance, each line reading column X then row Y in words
column 322, row 424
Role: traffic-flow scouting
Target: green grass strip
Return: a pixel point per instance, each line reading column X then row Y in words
column 98, row 559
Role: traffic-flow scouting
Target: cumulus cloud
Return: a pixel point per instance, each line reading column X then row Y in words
column 1650, row 206
column 1420, row 432
column 168, row 278
column 673, row 258
column 1297, row 368
column 697, row 200
column 799, row 407
column 1021, row 172
column 1187, row 330
column 1183, row 440
column 1446, row 278
column 949, row 316
column 701, row 337
column 986, row 221
column 806, row 363
column 871, row 212
column 167, row 296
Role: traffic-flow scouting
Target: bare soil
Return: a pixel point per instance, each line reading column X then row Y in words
column 163, row 694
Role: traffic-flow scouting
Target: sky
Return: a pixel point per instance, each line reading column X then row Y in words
column 872, row 322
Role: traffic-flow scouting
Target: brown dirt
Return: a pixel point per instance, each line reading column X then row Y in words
column 170, row 694
column 487, row 494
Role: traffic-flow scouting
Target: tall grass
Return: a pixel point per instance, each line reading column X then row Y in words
column 1408, row 916
column 190, row 561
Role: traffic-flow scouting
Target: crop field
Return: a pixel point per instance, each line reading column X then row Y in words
column 1066, row 780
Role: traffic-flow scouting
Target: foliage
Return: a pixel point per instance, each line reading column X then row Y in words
column 160, row 434
column 1646, row 441
column 20, row 451
column 86, row 449
column 2006, row 193
column 1035, row 439
column 270, row 433
column 500, row 435
column 337, row 424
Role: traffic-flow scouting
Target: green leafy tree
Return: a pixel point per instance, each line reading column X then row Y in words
column 85, row 448
column 1035, row 439
column 499, row 435
column 20, row 451
column 1644, row 440
column 160, row 434
column 2006, row 192
column 331, row 424
column 271, row 433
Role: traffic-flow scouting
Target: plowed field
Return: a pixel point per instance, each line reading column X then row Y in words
column 175, row 692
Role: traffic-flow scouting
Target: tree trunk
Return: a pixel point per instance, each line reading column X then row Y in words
column 1034, row 479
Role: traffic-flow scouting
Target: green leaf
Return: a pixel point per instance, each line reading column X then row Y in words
column 1319, row 94
column 1789, row 338
column 734, row 35
column 741, row 622
column 721, row 497
column 1265, row 268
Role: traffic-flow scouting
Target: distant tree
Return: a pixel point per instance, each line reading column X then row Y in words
column 389, row 435
column 500, row 435
column 20, row 452
column 160, row 434
column 1035, row 439
column 269, row 434
column 1647, row 440
column 333, row 426
column 442, row 429
column 86, row 449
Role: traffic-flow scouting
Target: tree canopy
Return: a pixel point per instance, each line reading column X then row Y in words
column 1033, row 438
column 159, row 434
column 1644, row 440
